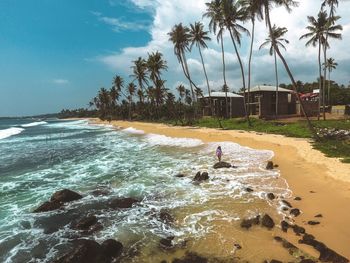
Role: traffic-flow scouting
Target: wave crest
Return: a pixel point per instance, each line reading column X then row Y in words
column 10, row 132
column 32, row 124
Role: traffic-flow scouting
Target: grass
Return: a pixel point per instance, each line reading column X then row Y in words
column 330, row 147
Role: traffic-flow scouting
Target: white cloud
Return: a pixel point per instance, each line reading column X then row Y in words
column 60, row 81
column 302, row 60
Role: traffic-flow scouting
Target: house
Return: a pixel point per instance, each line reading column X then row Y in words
column 218, row 100
column 262, row 101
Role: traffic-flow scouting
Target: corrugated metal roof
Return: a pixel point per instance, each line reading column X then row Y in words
column 221, row 94
column 268, row 88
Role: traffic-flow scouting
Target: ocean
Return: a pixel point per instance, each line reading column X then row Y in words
column 40, row 157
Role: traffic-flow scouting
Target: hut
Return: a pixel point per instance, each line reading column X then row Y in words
column 218, row 101
column 262, row 101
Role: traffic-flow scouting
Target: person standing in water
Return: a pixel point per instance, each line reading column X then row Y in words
column 219, row 153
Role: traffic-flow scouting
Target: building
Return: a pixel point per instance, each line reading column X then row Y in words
column 262, row 101
column 218, row 99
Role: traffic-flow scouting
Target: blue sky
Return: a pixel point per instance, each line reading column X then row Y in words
column 56, row 54
column 48, row 50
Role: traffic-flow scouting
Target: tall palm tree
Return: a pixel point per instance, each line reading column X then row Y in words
column 287, row 4
column 118, row 84
column 216, row 26
column 181, row 89
column 233, row 13
column 140, row 73
column 276, row 39
column 198, row 37
column 253, row 11
column 155, row 65
column 330, row 65
column 131, row 88
column 180, row 37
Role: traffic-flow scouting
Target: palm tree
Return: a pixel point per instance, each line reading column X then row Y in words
column 288, row 4
column 198, row 37
column 276, row 39
column 131, row 88
column 140, row 73
column 253, row 11
column 216, row 26
column 233, row 13
column 330, row 65
column 180, row 37
column 155, row 64
column 118, row 84
column 181, row 89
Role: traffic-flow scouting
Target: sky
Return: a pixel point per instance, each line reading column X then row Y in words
column 56, row 54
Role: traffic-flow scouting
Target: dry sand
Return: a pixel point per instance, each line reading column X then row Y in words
column 322, row 183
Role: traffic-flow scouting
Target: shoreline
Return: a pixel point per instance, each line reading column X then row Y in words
column 322, row 183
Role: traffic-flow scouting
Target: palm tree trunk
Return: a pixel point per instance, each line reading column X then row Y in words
column 312, row 130
column 276, row 72
column 189, row 76
column 243, row 77
column 324, row 80
column 206, row 77
column 329, row 87
column 320, row 80
column 249, row 65
column 224, row 73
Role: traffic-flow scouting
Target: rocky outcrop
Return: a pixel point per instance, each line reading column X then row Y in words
column 87, row 224
column 295, row 212
column 285, row 226
column 248, row 223
column 220, row 165
column 166, row 243
column 269, row 165
column 57, row 200
column 267, row 222
column 180, row 175
column 271, row 196
column 123, row 203
column 201, row 177
column 249, row 190
column 287, row 203
column 313, row 223
column 166, row 217
column 89, row 251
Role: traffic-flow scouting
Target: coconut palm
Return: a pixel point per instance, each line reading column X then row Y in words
column 233, row 14
column 181, row 89
column 253, row 11
column 140, row 73
column 118, row 84
column 131, row 88
column 198, row 37
column 276, row 39
column 216, row 26
column 330, row 65
column 287, row 4
column 155, row 65
column 180, row 37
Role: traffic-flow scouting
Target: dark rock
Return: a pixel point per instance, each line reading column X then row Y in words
column 326, row 254
column 65, row 196
column 85, row 223
column 297, row 198
column 100, row 192
column 166, row 217
column 284, row 226
column 180, row 175
column 295, row 212
column 222, row 165
column 48, row 206
column 275, row 166
column 307, row 260
column 275, row 261
column 201, row 176
column 191, row 257
column 312, row 192
column 249, row 190
column 248, row 223
column 166, row 243
column 287, row 203
column 269, row 165
column 123, row 203
column 267, row 221
column 237, row 246
column 312, row 223
column 84, row 251
column 284, row 208
column 298, row 230
column 271, row 196
column 112, row 248
column 319, row 215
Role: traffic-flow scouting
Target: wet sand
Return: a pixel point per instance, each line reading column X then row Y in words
column 322, row 183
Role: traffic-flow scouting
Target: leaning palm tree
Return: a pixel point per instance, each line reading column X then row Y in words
column 131, row 88
column 140, row 73
column 276, row 39
column 198, row 37
column 233, row 14
column 118, row 84
column 180, row 37
column 253, row 11
column 330, row 65
column 288, row 4
column 216, row 26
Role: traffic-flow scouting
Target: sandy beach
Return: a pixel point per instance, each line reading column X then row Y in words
column 322, row 183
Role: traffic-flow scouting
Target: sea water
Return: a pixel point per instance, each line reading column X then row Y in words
column 39, row 157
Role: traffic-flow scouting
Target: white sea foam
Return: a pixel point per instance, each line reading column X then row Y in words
column 32, row 124
column 162, row 140
column 133, row 131
column 10, row 132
